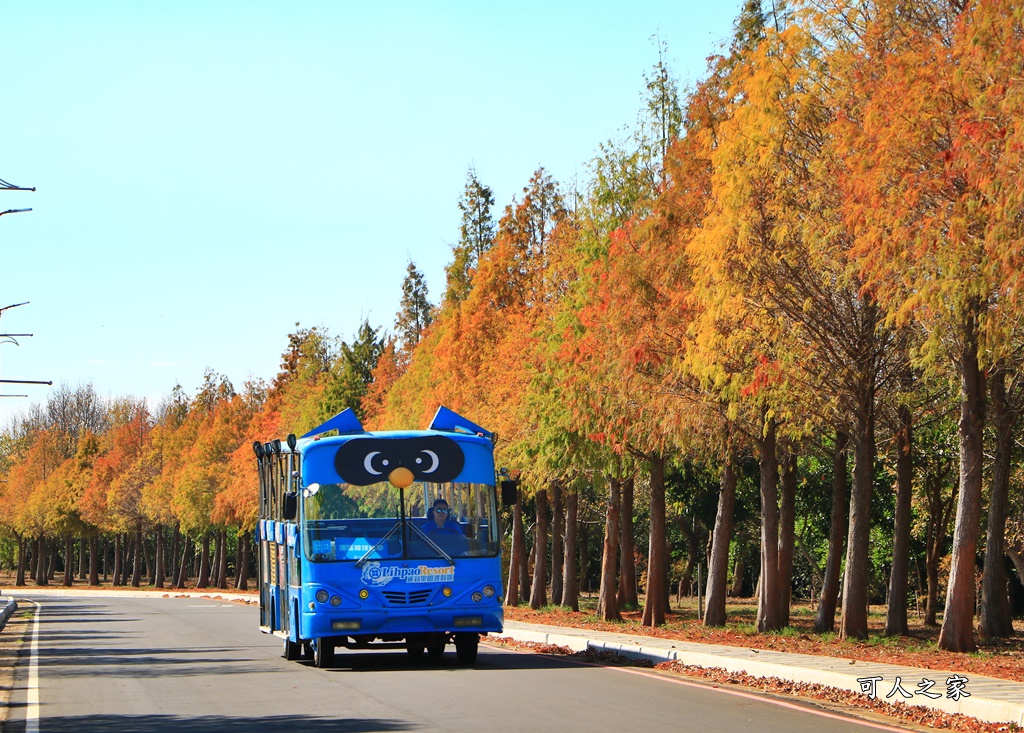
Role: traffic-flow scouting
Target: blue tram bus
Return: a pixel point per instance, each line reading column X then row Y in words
column 379, row 539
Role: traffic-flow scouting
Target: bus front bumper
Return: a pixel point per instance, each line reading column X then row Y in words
column 379, row 622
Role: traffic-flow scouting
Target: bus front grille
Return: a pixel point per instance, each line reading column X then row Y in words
column 401, row 598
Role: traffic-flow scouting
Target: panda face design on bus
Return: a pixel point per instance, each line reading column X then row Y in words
column 365, row 461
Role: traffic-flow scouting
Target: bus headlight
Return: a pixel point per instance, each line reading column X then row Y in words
column 477, row 597
column 335, row 601
column 364, row 594
column 446, row 592
column 322, row 595
column 488, row 591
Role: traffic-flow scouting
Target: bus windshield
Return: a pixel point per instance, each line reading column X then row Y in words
column 342, row 522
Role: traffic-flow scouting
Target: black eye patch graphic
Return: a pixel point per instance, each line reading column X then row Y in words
column 364, row 461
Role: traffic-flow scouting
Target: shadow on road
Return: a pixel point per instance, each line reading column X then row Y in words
column 490, row 660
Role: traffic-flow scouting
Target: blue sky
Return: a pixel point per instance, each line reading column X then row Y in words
column 211, row 173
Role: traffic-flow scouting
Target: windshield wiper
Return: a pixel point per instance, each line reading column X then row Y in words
column 436, row 547
column 381, row 541
column 423, row 535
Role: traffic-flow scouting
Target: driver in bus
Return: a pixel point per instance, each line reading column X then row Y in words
column 443, row 529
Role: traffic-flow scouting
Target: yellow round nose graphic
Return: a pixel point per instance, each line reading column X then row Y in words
column 400, row 477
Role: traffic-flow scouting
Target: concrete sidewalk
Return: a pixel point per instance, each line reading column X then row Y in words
column 985, row 698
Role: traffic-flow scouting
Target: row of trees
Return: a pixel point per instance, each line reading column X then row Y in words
column 815, row 252
column 810, row 256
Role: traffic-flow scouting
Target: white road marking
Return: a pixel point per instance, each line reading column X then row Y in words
column 32, row 709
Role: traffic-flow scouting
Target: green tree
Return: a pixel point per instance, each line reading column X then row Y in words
column 352, row 372
column 415, row 313
column 476, row 235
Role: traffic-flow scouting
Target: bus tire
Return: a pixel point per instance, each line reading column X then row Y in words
column 466, row 647
column 323, row 653
column 435, row 651
column 292, row 650
column 415, row 651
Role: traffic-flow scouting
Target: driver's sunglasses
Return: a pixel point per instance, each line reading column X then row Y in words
column 441, row 510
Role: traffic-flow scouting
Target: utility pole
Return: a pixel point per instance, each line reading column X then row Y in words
column 9, row 338
column 5, row 186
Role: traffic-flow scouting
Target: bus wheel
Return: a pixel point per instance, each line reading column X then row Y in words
column 323, row 653
column 466, row 647
column 292, row 650
column 415, row 650
column 435, row 651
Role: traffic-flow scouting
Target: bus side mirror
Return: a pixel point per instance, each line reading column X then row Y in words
column 290, row 507
column 509, row 491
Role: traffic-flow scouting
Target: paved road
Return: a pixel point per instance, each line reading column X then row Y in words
column 191, row 665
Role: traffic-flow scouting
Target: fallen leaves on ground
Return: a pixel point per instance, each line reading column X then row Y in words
column 826, row 696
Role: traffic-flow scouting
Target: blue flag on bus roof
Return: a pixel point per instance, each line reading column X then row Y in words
column 344, row 422
column 445, row 419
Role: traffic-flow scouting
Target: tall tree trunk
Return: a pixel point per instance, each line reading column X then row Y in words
column 175, row 548
column 204, row 562
column 137, row 565
column 118, row 559
column 218, row 548
column 19, row 577
column 787, row 536
column 238, row 554
column 160, row 561
column 147, row 562
column 768, row 618
column 242, row 573
column 939, row 516
column 718, row 564
column 524, row 564
column 854, row 624
column 629, row 597
column 539, row 590
column 222, row 565
column 656, row 600
column 995, row 601
column 957, row 632
column 583, row 538
column 51, row 567
column 69, row 561
column 692, row 549
column 41, row 555
column 557, row 538
column 826, row 618
column 1016, row 555
column 738, row 571
column 607, row 599
column 512, row 595
column 182, row 578
column 896, row 611
column 94, row 560
column 571, row 587
column 81, row 558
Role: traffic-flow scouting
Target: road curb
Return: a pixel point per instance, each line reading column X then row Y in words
column 7, row 606
column 838, row 673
